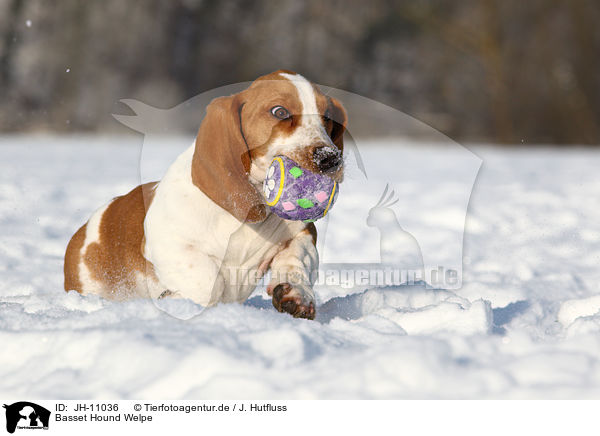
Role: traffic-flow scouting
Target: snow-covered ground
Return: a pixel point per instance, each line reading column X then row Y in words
column 525, row 323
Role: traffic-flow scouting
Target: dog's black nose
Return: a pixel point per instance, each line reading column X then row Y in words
column 327, row 158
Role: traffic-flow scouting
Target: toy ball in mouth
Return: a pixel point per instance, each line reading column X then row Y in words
column 297, row 194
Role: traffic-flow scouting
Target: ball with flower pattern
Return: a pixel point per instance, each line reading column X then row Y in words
column 295, row 193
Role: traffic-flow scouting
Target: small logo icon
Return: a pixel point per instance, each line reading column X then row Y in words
column 397, row 247
column 26, row 415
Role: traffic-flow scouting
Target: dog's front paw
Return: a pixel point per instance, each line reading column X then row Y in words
column 287, row 298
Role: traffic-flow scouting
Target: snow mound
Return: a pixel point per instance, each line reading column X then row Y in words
column 571, row 310
column 415, row 309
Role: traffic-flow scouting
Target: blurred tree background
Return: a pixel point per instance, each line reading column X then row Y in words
column 506, row 71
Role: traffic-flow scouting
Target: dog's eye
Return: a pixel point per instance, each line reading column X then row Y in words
column 280, row 112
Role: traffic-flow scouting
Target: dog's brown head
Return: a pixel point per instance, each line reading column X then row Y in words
column 279, row 114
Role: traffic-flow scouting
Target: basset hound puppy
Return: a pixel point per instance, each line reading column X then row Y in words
column 204, row 231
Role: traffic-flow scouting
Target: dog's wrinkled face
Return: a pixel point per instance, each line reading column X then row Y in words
column 284, row 114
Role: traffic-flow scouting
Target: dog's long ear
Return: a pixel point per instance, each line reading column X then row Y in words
column 337, row 114
column 221, row 161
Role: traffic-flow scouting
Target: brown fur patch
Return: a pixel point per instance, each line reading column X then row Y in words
column 221, row 162
column 259, row 125
column 338, row 120
column 115, row 258
column 72, row 258
column 311, row 229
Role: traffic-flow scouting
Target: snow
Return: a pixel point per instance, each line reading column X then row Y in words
column 571, row 310
column 524, row 324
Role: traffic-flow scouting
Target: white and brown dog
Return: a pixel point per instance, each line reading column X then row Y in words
column 204, row 232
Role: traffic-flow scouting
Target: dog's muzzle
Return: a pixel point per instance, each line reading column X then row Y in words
column 326, row 158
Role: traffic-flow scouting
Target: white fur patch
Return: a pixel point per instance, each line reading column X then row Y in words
column 198, row 249
column 306, row 93
column 296, row 265
column 92, row 234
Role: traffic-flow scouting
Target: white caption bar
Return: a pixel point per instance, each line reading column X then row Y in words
column 263, row 417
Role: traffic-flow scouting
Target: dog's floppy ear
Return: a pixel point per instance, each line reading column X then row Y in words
column 337, row 114
column 221, row 161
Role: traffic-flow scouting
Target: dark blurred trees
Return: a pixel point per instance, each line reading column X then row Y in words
column 495, row 70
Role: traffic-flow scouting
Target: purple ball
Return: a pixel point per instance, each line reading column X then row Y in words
column 297, row 194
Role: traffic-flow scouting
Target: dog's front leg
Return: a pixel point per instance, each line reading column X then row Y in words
column 293, row 272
